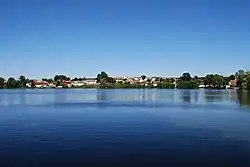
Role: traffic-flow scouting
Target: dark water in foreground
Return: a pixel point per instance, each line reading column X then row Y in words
column 124, row 128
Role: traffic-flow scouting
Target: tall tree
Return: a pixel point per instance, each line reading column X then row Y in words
column 61, row 78
column 208, row 80
column 56, row 78
column 143, row 77
column 214, row 80
column 33, row 84
column 22, row 78
column 247, row 85
column 240, row 78
column 11, row 83
column 102, row 75
column 227, row 80
column 186, row 77
column 22, row 81
column 2, row 82
column 240, row 73
column 232, row 77
column 218, row 81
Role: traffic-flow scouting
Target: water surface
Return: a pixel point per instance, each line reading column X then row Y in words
column 124, row 128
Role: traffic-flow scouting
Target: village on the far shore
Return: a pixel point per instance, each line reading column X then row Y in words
column 155, row 81
column 239, row 80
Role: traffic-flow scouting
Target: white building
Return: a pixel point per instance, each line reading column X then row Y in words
column 90, row 82
column 78, row 83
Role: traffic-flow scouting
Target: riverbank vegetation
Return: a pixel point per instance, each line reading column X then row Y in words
column 239, row 80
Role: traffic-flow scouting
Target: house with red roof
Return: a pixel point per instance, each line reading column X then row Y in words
column 67, row 83
column 233, row 83
column 40, row 84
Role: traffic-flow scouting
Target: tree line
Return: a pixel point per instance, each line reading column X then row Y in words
column 185, row 81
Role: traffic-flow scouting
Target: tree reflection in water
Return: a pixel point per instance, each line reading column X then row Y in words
column 102, row 95
column 214, row 96
column 243, row 98
column 185, row 96
column 196, row 94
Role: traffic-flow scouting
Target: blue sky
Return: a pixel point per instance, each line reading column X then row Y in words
column 126, row 37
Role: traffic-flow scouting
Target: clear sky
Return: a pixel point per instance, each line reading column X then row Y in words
column 123, row 37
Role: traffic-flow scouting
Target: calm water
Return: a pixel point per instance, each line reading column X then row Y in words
column 124, row 128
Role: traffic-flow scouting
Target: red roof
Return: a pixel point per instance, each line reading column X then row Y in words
column 233, row 82
column 36, row 82
column 67, row 82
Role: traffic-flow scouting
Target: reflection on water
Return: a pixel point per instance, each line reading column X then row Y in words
column 243, row 97
column 216, row 96
column 186, row 96
column 40, row 97
column 131, row 127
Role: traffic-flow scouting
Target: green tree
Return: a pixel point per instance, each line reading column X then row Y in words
column 61, row 78
column 208, row 80
column 186, row 82
column 214, row 81
column 232, row 77
column 218, row 81
column 2, row 82
column 32, row 84
column 58, row 83
column 22, row 81
column 11, row 83
column 110, row 80
column 186, row 77
column 143, row 77
column 172, row 80
column 240, row 75
column 27, row 80
column 226, row 80
column 64, row 86
column 22, row 78
column 247, row 79
column 165, row 85
column 56, row 78
column 102, row 75
column 106, row 85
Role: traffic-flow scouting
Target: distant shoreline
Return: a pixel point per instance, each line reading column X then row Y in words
column 240, row 80
column 119, row 88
